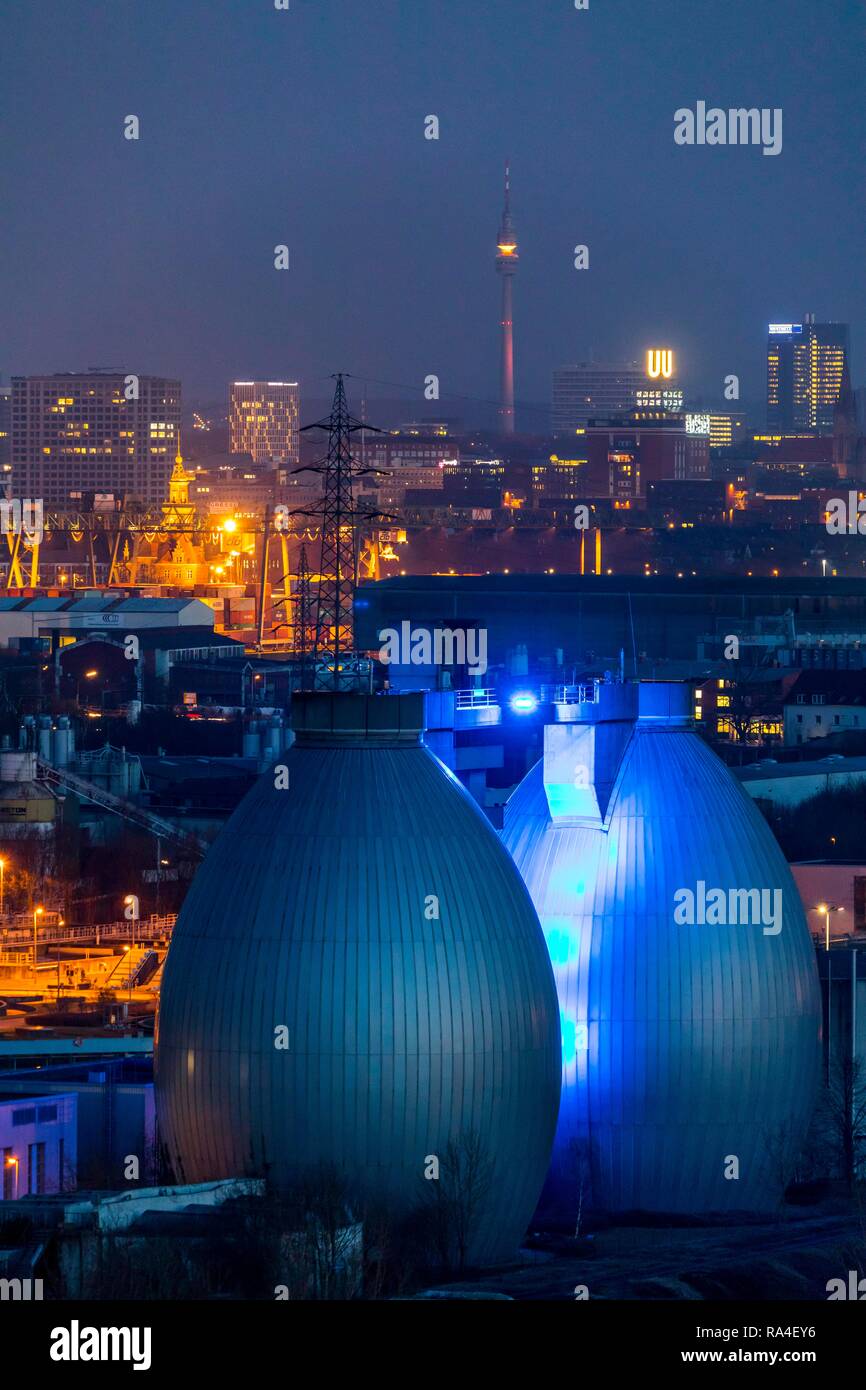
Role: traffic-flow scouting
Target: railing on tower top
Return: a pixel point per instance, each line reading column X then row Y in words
column 474, row 699
column 585, row 694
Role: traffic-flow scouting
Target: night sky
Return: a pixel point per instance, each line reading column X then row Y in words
column 307, row 127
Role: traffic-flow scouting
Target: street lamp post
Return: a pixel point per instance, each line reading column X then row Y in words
column 130, row 903
column 88, row 675
column 827, row 908
column 12, row 1162
column 128, row 951
column 37, row 913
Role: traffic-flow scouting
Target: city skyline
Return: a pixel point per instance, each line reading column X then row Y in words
column 388, row 275
column 432, row 670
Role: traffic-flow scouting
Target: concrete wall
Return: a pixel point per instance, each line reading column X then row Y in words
column 808, row 723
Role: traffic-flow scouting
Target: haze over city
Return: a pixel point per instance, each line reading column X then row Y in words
column 306, row 128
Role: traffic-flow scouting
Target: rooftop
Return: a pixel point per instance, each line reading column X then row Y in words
column 836, row 687
column 94, row 603
column 604, row 585
column 768, row 768
column 166, row 638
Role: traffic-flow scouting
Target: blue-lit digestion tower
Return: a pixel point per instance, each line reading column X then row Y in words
column 690, row 1052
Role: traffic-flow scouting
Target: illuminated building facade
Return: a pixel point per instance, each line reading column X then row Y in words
column 721, row 712
column 620, row 458
column 722, row 429
column 592, row 390
column 726, row 429
column 237, row 492
column 38, row 1145
column 74, row 435
column 391, row 491
column 797, row 459
column 5, row 425
column 585, row 391
column 560, row 479
column 404, row 449
column 263, row 420
column 806, row 365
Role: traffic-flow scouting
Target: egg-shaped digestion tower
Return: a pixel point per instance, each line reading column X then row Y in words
column 358, row 977
column 686, row 974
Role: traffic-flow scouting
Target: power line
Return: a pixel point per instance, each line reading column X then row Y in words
column 450, row 395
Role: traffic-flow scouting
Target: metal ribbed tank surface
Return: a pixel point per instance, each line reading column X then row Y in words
column 689, row 1002
column 371, row 911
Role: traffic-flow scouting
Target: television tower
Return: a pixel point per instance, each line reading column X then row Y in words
column 506, row 264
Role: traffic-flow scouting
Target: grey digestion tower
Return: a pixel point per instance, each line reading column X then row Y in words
column 369, row 909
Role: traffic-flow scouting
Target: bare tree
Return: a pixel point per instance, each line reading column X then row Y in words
column 749, row 702
column 847, row 1108
column 580, row 1172
column 783, row 1147
column 458, row 1197
column 308, row 1240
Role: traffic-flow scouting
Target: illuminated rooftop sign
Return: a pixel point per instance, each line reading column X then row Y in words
column 659, row 362
column 786, row 328
column 669, row 399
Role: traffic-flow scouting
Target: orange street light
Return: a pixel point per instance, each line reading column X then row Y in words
column 37, row 913
column 12, row 1162
column 826, row 909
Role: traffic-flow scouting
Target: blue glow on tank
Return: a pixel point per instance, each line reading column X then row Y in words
column 680, row 1044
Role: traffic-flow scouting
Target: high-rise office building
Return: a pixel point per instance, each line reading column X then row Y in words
column 263, row 420
column 722, row 428
column 805, row 367
column 5, row 426
column 584, row 391
column 78, row 433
